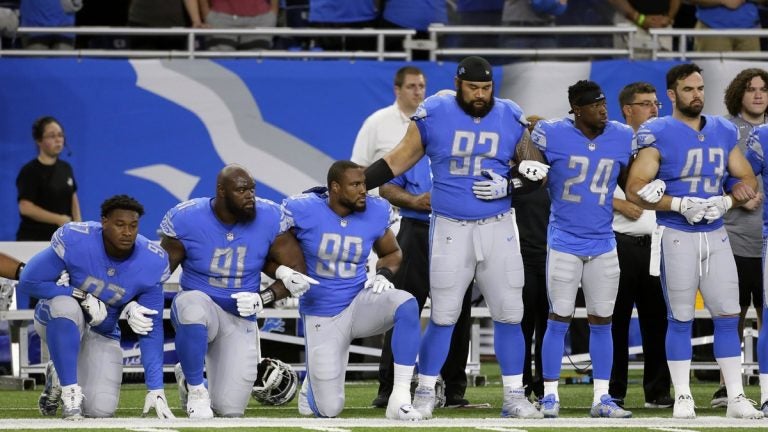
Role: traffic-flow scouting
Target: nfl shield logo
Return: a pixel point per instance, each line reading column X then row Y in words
column 591, row 146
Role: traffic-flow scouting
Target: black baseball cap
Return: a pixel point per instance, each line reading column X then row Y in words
column 474, row 68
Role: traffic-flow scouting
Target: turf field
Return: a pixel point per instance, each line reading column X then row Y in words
column 18, row 411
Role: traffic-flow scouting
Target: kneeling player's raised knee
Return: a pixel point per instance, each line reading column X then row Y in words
column 65, row 307
column 188, row 308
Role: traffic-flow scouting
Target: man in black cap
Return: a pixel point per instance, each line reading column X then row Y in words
column 471, row 139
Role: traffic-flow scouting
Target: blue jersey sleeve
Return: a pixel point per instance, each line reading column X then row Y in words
column 754, row 154
column 39, row 277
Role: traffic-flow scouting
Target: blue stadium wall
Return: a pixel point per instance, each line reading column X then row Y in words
column 161, row 130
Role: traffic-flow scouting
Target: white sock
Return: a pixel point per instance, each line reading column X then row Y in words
column 403, row 375
column 763, row 388
column 600, row 388
column 68, row 387
column 427, row 381
column 195, row 387
column 731, row 369
column 550, row 387
column 680, row 371
column 512, row 382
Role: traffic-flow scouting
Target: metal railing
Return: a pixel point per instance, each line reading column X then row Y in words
column 683, row 53
column 435, row 44
column 440, row 30
column 193, row 52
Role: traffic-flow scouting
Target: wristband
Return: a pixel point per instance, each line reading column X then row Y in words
column 377, row 174
column 18, row 270
column 387, row 273
column 640, row 20
column 78, row 294
column 267, row 296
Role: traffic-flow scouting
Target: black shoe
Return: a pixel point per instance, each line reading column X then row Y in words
column 664, row 401
column 381, row 401
column 720, row 398
column 456, row 401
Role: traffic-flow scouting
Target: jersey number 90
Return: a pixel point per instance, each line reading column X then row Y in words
column 338, row 256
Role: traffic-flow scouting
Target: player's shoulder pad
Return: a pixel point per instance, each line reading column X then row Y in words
column 430, row 105
column 647, row 133
column 275, row 212
column 153, row 259
column 512, row 107
column 174, row 220
column 539, row 134
column 755, row 140
column 298, row 207
column 71, row 234
column 726, row 124
column 381, row 207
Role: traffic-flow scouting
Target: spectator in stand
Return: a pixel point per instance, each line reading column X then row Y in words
column 475, row 13
column 413, row 14
column 356, row 14
column 235, row 14
column 585, row 13
column 49, row 13
column 9, row 22
column 726, row 14
column 523, row 13
column 645, row 15
column 158, row 14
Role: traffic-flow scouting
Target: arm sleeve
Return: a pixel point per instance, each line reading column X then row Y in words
column 40, row 275
column 151, row 345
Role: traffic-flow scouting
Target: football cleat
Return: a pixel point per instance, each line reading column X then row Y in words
column 199, row 404
column 72, row 402
column 50, row 398
column 764, row 409
column 550, row 406
column 684, row 407
column 742, row 407
column 424, row 401
column 607, row 408
column 304, row 408
column 399, row 407
column 516, row 405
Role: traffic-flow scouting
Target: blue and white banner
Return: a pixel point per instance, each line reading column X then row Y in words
column 161, row 130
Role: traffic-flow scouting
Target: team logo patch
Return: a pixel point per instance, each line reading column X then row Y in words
column 230, row 236
column 420, row 113
column 592, row 146
column 343, row 223
column 701, row 137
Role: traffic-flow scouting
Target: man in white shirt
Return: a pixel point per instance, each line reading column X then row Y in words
column 383, row 129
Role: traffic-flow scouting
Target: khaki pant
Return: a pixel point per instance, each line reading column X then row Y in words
column 724, row 43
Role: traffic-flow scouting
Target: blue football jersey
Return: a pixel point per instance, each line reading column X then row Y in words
column 223, row 259
column 756, row 157
column 78, row 248
column 460, row 147
column 581, row 180
column 415, row 181
column 335, row 248
column 693, row 163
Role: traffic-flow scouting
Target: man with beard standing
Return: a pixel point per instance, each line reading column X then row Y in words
column 679, row 172
column 470, row 138
column 223, row 244
column 585, row 156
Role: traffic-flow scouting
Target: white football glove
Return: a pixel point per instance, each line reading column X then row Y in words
column 139, row 318
column 533, row 170
column 717, row 206
column 297, row 283
column 63, row 279
column 156, row 399
column 653, row 191
column 692, row 208
column 496, row 187
column 95, row 309
column 379, row 284
column 248, row 303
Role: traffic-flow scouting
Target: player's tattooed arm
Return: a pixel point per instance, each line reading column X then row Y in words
column 525, row 150
column 175, row 249
column 389, row 252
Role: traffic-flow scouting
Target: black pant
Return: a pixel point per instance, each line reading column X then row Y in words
column 637, row 287
column 413, row 276
column 536, row 309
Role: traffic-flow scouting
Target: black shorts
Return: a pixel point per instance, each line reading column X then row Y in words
column 750, row 281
